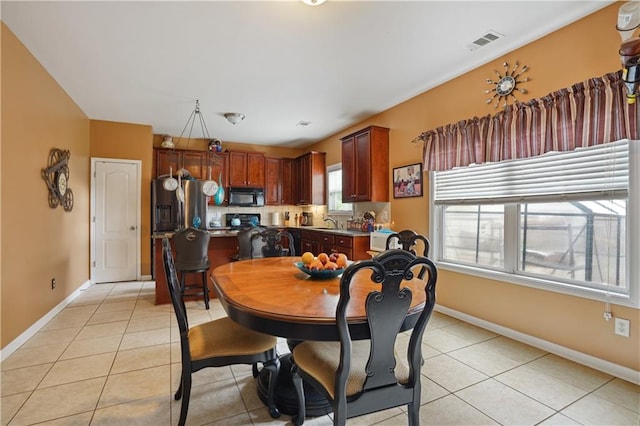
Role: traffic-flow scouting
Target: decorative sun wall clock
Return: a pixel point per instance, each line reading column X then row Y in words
column 56, row 176
column 505, row 85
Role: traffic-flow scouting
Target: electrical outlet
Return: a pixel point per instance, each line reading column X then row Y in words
column 53, row 283
column 622, row 327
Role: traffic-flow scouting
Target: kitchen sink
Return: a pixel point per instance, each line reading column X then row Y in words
column 338, row 230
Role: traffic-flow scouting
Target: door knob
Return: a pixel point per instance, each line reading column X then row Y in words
column 132, row 228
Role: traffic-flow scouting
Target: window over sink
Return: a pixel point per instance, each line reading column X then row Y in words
column 335, row 206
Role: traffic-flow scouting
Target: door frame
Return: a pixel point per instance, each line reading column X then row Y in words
column 92, row 212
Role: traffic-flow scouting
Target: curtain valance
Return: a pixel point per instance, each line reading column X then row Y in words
column 588, row 113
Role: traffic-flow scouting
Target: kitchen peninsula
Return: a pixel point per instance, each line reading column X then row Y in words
column 224, row 245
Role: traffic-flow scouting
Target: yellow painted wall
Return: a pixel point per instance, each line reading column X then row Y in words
column 129, row 142
column 586, row 49
column 38, row 243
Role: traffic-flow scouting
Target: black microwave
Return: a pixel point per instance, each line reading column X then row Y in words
column 246, row 197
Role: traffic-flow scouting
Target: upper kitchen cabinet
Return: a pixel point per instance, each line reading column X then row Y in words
column 221, row 176
column 167, row 161
column 197, row 163
column 365, row 165
column 309, row 183
column 287, row 182
column 246, row 169
column 273, row 187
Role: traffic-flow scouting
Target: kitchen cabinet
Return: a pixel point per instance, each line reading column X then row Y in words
column 365, row 165
column 273, row 182
column 196, row 162
column 309, row 178
column 246, row 169
column 221, row 176
column 354, row 246
column 287, row 182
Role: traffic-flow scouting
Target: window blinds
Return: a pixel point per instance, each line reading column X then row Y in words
column 585, row 173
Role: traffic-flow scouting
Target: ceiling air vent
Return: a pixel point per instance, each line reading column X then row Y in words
column 489, row 37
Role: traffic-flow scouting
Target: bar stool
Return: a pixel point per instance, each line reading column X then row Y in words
column 191, row 246
column 245, row 243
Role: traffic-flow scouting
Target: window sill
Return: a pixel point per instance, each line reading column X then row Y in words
column 542, row 284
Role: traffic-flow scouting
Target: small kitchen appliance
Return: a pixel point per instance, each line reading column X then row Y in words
column 307, row 219
column 378, row 241
column 246, row 197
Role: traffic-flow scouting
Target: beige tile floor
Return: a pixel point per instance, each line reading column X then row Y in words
column 112, row 357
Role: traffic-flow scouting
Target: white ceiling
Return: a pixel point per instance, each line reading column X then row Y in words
column 277, row 62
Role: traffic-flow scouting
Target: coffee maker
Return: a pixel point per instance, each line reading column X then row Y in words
column 306, row 219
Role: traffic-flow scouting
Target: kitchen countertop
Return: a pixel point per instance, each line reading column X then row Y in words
column 217, row 232
column 228, row 232
column 338, row 231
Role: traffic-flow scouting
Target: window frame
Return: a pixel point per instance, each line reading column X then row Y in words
column 512, row 243
column 349, row 213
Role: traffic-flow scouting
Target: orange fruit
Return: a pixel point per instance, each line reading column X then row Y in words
column 341, row 261
column 330, row 266
column 307, row 257
column 315, row 265
column 323, row 257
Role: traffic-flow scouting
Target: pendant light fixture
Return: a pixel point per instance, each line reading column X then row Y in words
column 195, row 114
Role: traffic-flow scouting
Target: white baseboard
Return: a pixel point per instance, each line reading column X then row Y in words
column 608, row 367
column 31, row 331
column 146, row 278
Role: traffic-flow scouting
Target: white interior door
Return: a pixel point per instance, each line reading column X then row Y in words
column 116, row 219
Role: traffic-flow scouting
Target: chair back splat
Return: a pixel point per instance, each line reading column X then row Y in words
column 408, row 239
column 192, row 248
column 245, row 243
column 216, row 343
column 364, row 376
column 272, row 243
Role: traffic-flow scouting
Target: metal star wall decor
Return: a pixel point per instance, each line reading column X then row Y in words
column 506, row 85
column 56, row 176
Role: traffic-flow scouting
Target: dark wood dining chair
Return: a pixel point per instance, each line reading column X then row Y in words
column 245, row 243
column 192, row 257
column 272, row 242
column 364, row 376
column 409, row 239
column 216, row 343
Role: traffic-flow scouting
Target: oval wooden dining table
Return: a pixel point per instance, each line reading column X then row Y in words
column 272, row 296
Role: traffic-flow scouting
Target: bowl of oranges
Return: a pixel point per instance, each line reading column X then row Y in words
column 323, row 266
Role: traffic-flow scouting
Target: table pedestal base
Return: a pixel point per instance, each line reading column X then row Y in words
column 285, row 394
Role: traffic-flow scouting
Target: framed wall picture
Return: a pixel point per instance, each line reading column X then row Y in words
column 407, row 181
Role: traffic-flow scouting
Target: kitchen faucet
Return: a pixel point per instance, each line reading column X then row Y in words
column 332, row 220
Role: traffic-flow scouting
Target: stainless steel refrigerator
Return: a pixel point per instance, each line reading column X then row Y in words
column 169, row 214
column 195, row 205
